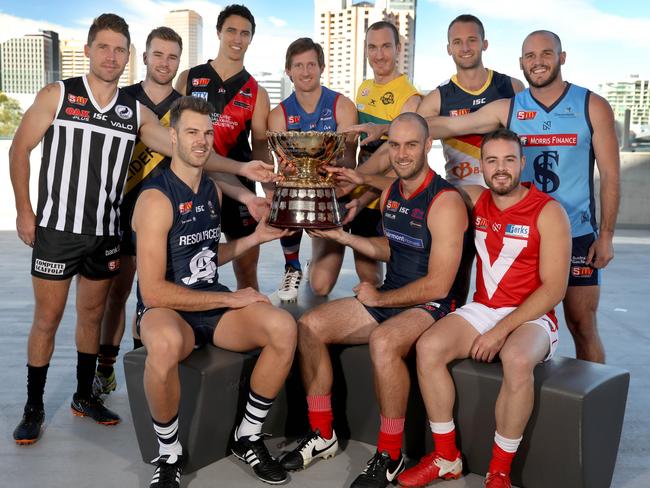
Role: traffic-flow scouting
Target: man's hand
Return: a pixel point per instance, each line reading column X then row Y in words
column 368, row 294
column 257, row 170
column 344, row 175
column 373, row 131
column 26, row 227
column 601, row 252
column 244, row 297
column 258, row 207
column 266, row 232
column 336, row 234
column 353, row 207
column 486, row 346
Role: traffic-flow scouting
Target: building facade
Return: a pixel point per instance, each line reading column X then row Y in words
column 189, row 25
column 632, row 93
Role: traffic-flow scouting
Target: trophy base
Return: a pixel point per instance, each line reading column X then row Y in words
column 304, row 208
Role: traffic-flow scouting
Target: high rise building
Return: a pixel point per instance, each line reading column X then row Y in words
column 189, row 25
column 75, row 63
column 340, row 27
column 30, row 62
column 278, row 86
column 632, row 93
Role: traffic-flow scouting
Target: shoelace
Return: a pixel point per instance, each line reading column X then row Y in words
column 167, row 473
column 302, row 443
column 377, row 463
column 291, row 280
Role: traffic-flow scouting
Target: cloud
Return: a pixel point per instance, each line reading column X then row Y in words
column 13, row 26
column 277, row 22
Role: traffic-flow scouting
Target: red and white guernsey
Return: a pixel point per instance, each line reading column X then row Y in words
column 507, row 247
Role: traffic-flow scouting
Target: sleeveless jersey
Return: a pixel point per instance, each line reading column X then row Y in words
column 86, row 155
column 145, row 162
column 193, row 239
column 323, row 119
column 559, row 154
column 234, row 102
column 462, row 153
column 507, row 248
column 405, row 226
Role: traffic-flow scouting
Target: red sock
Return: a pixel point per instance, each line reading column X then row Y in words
column 390, row 436
column 319, row 410
column 445, row 445
column 501, row 460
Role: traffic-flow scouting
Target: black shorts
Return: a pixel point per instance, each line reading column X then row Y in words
column 58, row 255
column 203, row 323
column 437, row 310
column 582, row 274
column 367, row 223
column 236, row 220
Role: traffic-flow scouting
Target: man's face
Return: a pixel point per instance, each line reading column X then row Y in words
column 501, row 164
column 235, row 37
column 108, row 55
column 162, row 59
column 192, row 138
column 465, row 45
column 382, row 51
column 541, row 60
column 407, row 148
column 305, row 72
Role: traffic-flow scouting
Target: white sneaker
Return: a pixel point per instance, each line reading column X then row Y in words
column 309, row 448
column 288, row 290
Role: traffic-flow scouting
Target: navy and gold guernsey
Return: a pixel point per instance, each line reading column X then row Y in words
column 192, row 244
column 234, row 103
column 462, row 153
column 145, row 163
column 405, row 226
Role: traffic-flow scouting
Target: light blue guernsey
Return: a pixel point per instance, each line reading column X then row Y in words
column 556, row 141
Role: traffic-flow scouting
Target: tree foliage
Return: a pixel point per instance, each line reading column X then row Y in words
column 10, row 115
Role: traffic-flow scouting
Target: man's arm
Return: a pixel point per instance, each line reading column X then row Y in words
column 554, row 259
column 32, row 129
column 152, row 220
column 605, row 146
column 411, row 104
column 486, row 119
column 181, row 82
column 259, row 126
column 347, row 116
column 447, row 222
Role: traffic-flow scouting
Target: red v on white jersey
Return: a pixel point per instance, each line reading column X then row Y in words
column 493, row 273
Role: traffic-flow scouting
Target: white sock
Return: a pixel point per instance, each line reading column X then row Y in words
column 257, row 408
column 508, row 445
column 442, row 427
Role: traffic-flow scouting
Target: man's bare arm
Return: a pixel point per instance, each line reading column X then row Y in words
column 517, row 85
column 32, row 129
column 609, row 167
column 488, row 118
column 181, row 82
column 347, row 116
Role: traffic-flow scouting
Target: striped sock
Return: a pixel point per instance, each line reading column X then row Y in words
column 390, row 436
column 168, row 444
column 106, row 358
column 257, row 408
column 291, row 249
column 503, row 452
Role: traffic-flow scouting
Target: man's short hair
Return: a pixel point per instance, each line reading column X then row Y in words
column 468, row 19
column 382, row 24
column 303, row 45
column 109, row 22
column 194, row 104
column 549, row 33
column 166, row 34
column 236, row 9
column 504, row 135
column 414, row 117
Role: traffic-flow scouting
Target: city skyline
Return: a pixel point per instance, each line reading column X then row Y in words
column 608, row 42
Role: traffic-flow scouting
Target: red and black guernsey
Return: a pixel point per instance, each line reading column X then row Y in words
column 405, row 225
column 234, row 102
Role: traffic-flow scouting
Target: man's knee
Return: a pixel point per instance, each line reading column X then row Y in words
column 282, row 330
column 384, row 348
column 164, row 349
column 312, row 327
column 518, row 366
column 321, row 284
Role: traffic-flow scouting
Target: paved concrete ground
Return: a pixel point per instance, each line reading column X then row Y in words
column 76, row 452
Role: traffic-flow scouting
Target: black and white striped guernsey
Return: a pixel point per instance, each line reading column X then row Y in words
column 86, row 155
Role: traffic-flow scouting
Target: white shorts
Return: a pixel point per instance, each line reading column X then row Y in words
column 484, row 318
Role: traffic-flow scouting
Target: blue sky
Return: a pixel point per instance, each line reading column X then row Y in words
column 604, row 40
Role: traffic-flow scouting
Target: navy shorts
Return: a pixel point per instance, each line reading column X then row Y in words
column 580, row 273
column 367, row 223
column 58, row 255
column 236, row 220
column 203, row 323
column 437, row 310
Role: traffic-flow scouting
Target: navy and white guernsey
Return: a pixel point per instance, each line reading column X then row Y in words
column 322, row 119
column 405, row 226
column 193, row 239
column 556, row 141
column 86, row 155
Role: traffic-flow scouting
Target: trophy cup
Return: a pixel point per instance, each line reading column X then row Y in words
column 305, row 199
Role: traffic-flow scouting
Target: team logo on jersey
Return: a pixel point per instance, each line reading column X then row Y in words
column 327, row 114
column 360, row 106
column 548, row 140
column 294, row 119
column 77, row 99
column 221, row 90
column 185, row 207
column 495, row 269
column 200, row 81
column 546, row 179
column 459, row 112
column 388, row 98
column 114, row 265
column 581, row 271
column 123, row 112
column 526, row 114
column 417, row 213
column 78, row 114
column 513, row 230
column 392, row 205
column 364, row 92
column 202, row 267
column 481, row 223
